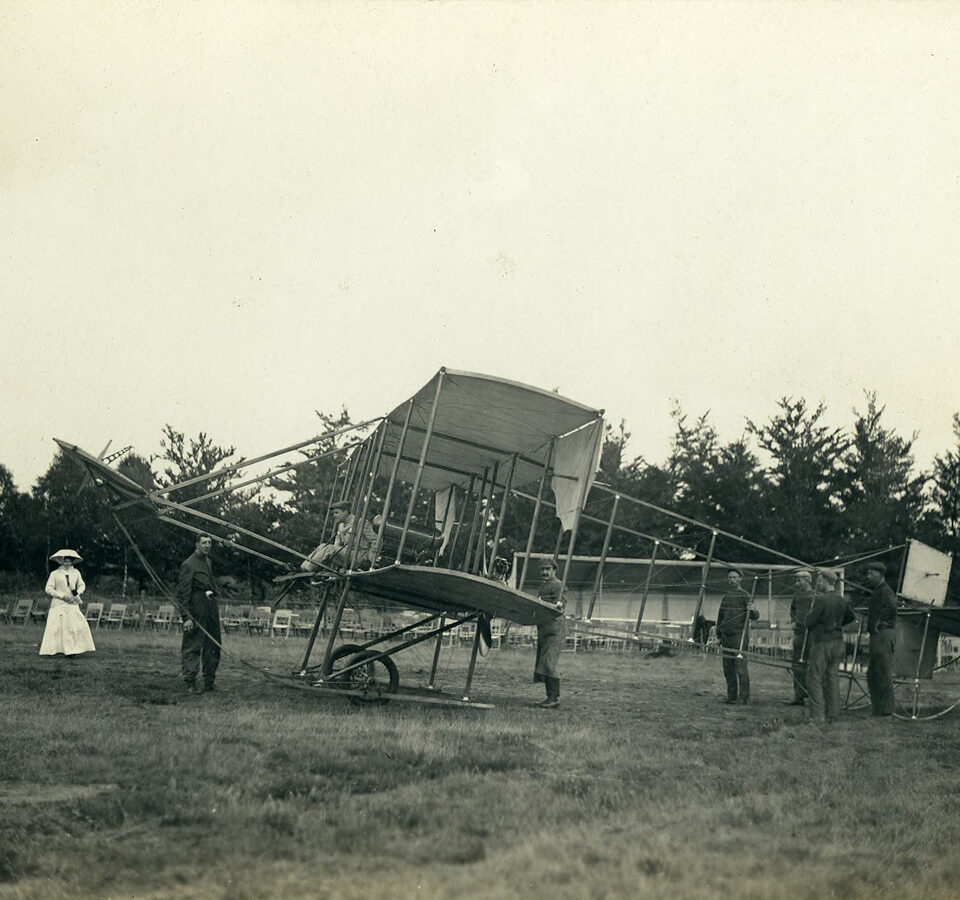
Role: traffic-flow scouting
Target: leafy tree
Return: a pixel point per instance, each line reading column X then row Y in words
column 247, row 509
column 66, row 511
column 806, row 478
column 309, row 487
column 184, row 460
column 637, row 479
column 940, row 523
column 137, row 469
column 611, row 454
column 154, row 538
column 943, row 518
column 716, row 484
column 12, row 522
column 883, row 499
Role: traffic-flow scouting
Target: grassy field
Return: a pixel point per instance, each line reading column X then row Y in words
column 114, row 783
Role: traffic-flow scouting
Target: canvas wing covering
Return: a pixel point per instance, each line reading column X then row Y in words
column 480, row 420
column 453, row 593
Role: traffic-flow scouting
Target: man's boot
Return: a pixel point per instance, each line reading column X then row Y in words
column 553, row 693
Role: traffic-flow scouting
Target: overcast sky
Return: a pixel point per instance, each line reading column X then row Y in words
column 227, row 216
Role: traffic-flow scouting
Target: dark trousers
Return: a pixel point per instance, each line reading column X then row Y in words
column 553, row 687
column 198, row 652
column 798, row 669
column 880, row 672
column 823, row 679
column 735, row 670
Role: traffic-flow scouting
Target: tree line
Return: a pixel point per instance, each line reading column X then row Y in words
column 793, row 484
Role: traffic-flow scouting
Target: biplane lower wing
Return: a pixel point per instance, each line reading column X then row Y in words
column 944, row 618
column 447, row 591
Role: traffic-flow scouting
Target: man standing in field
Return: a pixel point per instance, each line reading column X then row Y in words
column 881, row 621
column 733, row 633
column 799, row 607
column 828, row 614
column 197, row 596
column 550, row 636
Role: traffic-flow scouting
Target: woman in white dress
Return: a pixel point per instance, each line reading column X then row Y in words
column 67, row 630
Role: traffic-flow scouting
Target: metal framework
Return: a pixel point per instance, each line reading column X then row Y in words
column 486, row 442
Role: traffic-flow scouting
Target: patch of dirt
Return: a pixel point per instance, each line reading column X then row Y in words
column 32, row 794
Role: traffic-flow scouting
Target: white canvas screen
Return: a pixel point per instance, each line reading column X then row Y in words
column 926, row 574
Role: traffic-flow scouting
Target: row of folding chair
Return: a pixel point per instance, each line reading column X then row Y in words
column 18, row 611
column 126, row 615
column 254, row 620
column 98, row 614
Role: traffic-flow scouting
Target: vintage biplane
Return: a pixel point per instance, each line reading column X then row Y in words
column 416, row 523
column 461, row 444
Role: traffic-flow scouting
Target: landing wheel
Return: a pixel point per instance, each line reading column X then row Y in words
column 376, row 678
column 337, row 661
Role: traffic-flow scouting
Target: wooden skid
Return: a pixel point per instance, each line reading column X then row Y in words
column 400, row 696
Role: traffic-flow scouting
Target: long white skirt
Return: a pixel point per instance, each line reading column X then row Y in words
column 67, row 630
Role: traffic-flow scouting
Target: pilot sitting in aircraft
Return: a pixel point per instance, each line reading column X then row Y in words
column 336, row 554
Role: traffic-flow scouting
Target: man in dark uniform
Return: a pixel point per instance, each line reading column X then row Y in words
column 828, row 614
column 197, row 596
column 881, row 621
column 733, row 634
column 550, row 636
column 799, row 607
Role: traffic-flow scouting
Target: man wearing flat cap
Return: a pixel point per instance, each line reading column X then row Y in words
column 551, row 636
column 197, row 597
column 736, row 608
column 828, row 614
column 881, row 622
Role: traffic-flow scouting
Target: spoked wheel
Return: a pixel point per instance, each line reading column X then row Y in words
column 932, row 701
column 338, row 659
column 376, row 678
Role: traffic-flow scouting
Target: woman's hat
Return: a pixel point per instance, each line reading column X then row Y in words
column 67, row 554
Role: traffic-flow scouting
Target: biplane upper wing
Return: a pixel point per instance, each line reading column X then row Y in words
column 479, row 419
column 444, row 591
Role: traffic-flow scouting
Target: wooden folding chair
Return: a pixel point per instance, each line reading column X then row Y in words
column 38, row 614
column 163, row 618
column 94, row 614
column 133, row 616
column 21, row 611
column 281, row 622
column 114, row 616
